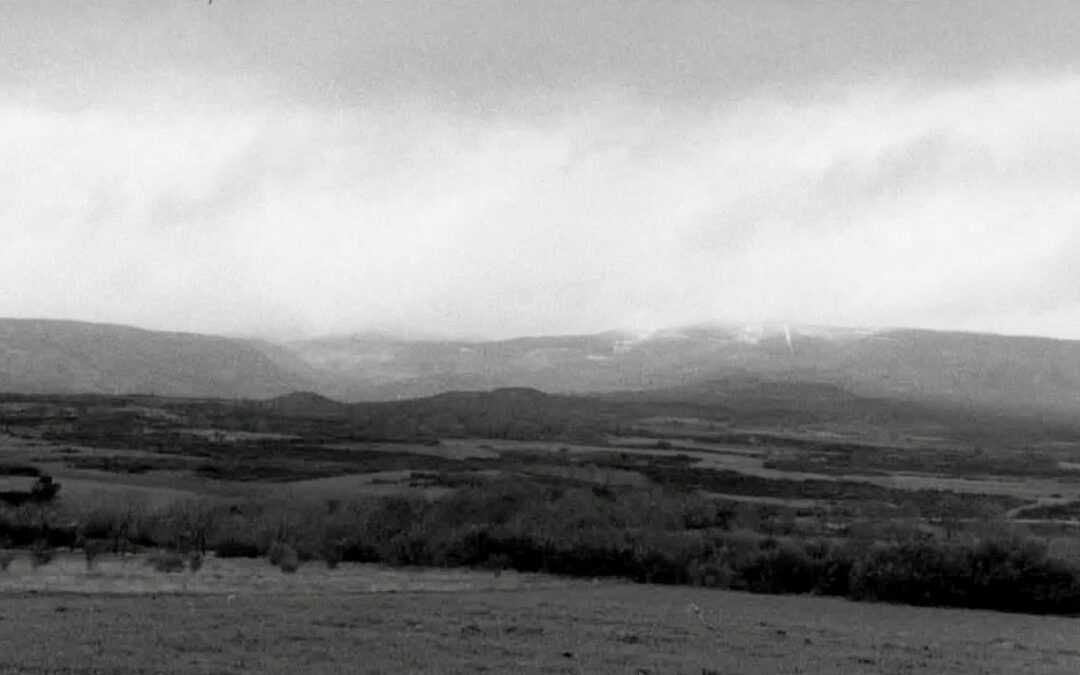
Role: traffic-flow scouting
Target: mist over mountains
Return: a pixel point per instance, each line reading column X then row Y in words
column 1021, row 373
column 1027, row 375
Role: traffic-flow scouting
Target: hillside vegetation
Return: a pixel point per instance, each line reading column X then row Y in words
column 654, row 489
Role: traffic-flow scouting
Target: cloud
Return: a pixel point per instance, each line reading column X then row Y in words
column 891, row 204
column 482, row 58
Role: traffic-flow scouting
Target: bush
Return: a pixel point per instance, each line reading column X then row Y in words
column 41, row 553
column 229, row 548
column 189, row 526
column 92, row 549
column 834, row 564
column 643, row 535
column 332, row 552
column 9, row 469
column 1009, row 575
column 168, row 562
column 277, row 553
column 24, row 525
column 118, row 524
column 45, row 489
column 6, row 558
column 288, row 559
column 710, row 574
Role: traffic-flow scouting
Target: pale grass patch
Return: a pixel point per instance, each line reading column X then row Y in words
column 241, row 576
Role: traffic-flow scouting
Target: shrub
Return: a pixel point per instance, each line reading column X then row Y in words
column 288, row 560
column 833, row 567
column 710, row 574
column 1011, row 575
column 9, row 469
column 119, row 524
column 643, row 535
column 45, row 489
column 168, row 562
column 277, row 553
column 332, row 552
column 41, row 553
column 6, row 558
column 229, row 548
column 189, row 525
column 92, row 549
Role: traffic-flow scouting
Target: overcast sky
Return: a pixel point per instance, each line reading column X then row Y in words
column 506, row 168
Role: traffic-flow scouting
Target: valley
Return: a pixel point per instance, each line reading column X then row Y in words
column 763, row 500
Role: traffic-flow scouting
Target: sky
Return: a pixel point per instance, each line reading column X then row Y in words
column 494, row 169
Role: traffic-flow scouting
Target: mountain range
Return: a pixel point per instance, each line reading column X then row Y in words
column 1028, row 375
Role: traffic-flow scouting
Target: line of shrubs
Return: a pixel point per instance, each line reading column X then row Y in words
column 657, row 538
column 645, row 536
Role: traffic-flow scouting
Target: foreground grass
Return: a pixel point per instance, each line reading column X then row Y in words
column 243, row 616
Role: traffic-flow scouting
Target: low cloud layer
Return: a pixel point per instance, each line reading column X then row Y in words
column 877, row 205
column 278, row 176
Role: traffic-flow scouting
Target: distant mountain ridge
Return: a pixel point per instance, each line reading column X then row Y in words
column 991, row 372
column 1033, row 374
column 50, row 356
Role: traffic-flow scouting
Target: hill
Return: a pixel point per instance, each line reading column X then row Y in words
column 1019, row 374
column 768, row 411
column 794, row 372
column 44, row 356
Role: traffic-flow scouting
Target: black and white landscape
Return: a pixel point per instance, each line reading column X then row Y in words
column 583, row 337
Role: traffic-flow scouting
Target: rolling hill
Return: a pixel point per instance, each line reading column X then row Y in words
column 44, row 356
column 801, row 370
column 1032, row 375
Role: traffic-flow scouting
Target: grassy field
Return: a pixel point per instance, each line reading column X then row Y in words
column 857, row 512
column 240, row 616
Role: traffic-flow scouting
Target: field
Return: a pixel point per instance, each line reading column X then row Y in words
column 502, row 531
column 238, row 616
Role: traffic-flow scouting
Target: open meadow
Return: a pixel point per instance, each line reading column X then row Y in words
column 503, row 533
column 240, row 616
